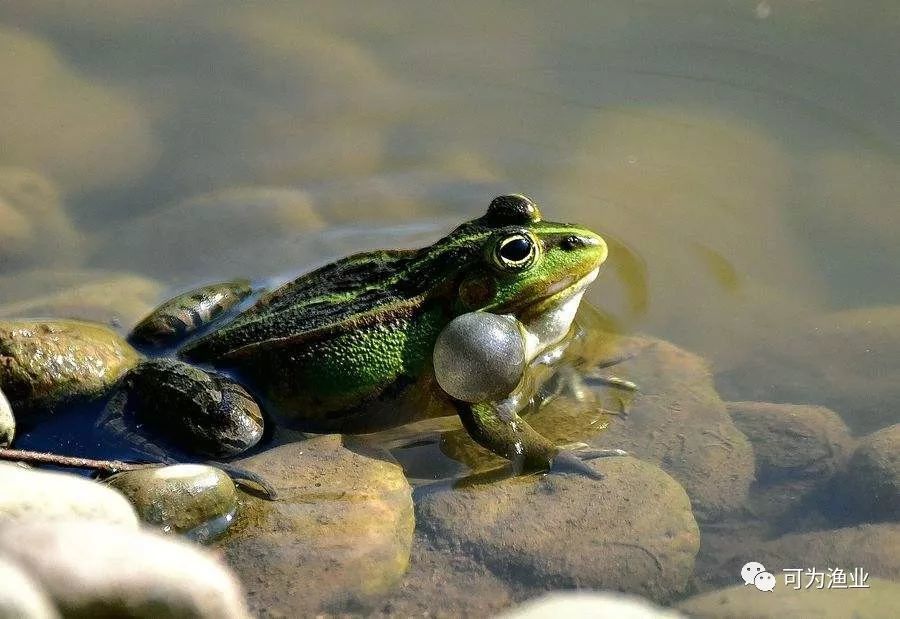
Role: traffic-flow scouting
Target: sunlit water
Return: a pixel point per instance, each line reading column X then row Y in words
column 742, row 157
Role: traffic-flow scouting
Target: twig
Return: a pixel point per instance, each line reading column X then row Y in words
column 37, row 457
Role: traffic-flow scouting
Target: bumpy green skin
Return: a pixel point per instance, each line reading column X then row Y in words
column 349, row 346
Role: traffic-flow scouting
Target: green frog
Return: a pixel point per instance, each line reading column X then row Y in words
column 350, row 347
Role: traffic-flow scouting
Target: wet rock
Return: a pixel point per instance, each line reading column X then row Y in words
column 21, row 597
column 46, row 362
column 7, row 422
column 678, row 421
column 339, row 531
column 199, row 234
column 99, row 137
column 633, row 531
column 193, row 499
column 37, row 496
column 34, row 228
column 869, row 488
column 746, row 602
column 589, row 604
column 792, row 441
column 93, row 569
column 848, row 361
column 117, row 299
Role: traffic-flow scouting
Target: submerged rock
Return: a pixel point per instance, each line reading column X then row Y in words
column 340, row 530
column 793, row 441
column 44, row 362
column 91, row 569
column 632, row 531
column 111, row 298
column 21, row 597
column 7, row 422
column 193, row 499
column 589, row 604
column 880, row 601
column 869, row 488
column 37, row 496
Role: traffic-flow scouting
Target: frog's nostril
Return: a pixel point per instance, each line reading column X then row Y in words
column 574, row 242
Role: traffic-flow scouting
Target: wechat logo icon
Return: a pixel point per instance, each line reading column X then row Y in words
column 755, row 574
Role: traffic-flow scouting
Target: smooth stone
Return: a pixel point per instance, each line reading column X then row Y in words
column 869, row 487
column 589, row 604
column 199, row 233
column 678, row 421
column 793, row 441
column 193, row 499
column 632, row 531
column 7, row 422
column 34, row 496
column 34, row 227
column 100, row 137
column 848, row 361
column 91, row 569
column 20, row 596
column 43, row 362
column 745, row 602
column 112, row 298
column 339, row 532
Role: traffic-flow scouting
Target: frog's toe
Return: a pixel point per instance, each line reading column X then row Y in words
column 571, row 462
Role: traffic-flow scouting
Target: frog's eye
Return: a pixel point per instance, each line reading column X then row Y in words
column 516, row 251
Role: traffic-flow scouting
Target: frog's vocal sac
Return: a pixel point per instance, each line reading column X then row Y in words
column 350, row 347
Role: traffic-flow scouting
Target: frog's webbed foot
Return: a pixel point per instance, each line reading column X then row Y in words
column 188, row 313
column 612, row 381
column 574, row 459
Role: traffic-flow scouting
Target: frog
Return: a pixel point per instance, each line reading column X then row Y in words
column 350, row 347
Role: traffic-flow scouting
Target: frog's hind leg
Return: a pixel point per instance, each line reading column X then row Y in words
column 184, row 315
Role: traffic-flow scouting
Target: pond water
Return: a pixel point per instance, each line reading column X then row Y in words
column 742, row 158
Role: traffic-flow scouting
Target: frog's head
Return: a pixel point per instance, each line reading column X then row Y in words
column 526, row 266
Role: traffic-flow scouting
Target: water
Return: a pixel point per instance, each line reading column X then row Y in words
column 743, row 159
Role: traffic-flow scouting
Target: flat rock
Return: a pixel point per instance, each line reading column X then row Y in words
column 881, row 600
column 20, row 596
column 339, row 532
column 848, row 361
column 35, row 496
column 43, row 362
column 678, row 422
column 93, row 569
column 112, row 298
column 589, row 604
column 793, row 441
column 633, row 531
column 869, row 488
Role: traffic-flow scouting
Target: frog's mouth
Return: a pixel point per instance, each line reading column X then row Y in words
column 548, row 319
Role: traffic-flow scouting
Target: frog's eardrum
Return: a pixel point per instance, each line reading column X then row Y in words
column 479, row 357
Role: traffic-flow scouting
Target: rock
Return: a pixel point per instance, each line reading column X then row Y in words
column 193, row 499
column 340, row 530
column 848, row 361
column 99, row 137
column 678, row 421
column 589, row 604
column 792, row 441
column 34, row 228
column 869, row 488
column 93, row 569
column 741, row 601
column 46, row 362
column 21, row 597
column 633, row 531
column 199, row 234
column 117, row 299
column 7, row 422
column 37, row 496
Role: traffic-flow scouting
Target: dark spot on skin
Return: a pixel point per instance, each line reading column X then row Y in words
column 573, row 242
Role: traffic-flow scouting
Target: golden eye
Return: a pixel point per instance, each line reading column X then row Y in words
column 516, row 251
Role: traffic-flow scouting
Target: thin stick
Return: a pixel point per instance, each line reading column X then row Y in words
column 37, row 457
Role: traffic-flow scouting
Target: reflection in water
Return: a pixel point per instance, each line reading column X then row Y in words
column 741, row 160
